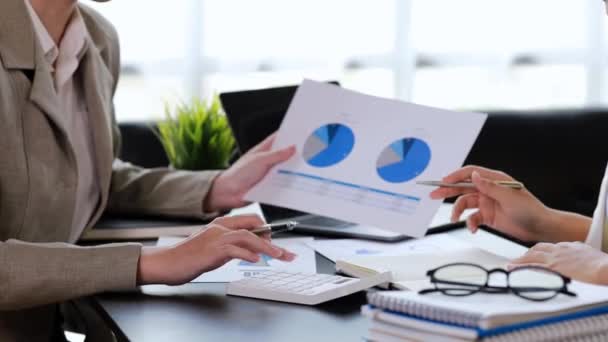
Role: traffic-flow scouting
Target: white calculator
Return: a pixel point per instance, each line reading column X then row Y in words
column 301, row 288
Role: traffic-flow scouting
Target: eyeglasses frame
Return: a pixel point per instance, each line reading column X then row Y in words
column 469, row 289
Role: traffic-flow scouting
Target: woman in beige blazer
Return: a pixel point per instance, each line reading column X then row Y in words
column 59, row 65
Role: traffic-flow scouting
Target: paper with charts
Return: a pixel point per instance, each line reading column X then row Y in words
column 359, row 157
column 346, row 249
column 305, row 261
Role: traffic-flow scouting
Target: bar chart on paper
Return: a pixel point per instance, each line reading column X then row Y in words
column 344, row 191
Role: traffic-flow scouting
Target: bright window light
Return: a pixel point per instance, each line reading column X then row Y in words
column 467, row 54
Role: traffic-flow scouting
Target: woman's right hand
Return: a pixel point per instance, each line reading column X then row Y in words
column 222, row 240
column 515, row 212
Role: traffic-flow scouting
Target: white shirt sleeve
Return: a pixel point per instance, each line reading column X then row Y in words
column 595, row 236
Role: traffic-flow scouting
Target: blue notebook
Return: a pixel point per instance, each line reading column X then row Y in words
column 587, row 322
column 483, row 316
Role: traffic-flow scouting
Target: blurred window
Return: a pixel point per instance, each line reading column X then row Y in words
column 467, row 54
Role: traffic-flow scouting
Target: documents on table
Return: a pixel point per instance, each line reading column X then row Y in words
column 251, row 209
column 305, row 261
column 409, row 271
column 344, row 249
column 407, row 261
column 358, row 157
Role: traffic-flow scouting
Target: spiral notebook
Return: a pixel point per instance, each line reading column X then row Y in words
column 490, row 316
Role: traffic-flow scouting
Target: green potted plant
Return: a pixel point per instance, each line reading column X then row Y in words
column 196, row 135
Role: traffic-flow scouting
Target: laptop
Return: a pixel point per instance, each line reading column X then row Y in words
column 255, row 114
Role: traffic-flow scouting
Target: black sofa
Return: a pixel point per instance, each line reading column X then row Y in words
column 560, row 155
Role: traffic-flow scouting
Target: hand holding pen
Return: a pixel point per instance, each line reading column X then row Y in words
column 508, row 184
column 511, row 209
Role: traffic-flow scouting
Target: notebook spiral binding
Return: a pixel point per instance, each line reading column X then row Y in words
column 590, row 329
column 465, row 319
column 587, row 329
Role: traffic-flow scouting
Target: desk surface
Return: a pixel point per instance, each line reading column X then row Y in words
column 202, row 312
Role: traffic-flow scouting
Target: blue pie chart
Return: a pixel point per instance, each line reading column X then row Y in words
column 403, row 160
column 328, row 145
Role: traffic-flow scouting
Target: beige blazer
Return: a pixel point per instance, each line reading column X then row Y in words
column 38, row 265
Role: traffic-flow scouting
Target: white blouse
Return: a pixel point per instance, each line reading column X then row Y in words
column 599, row 227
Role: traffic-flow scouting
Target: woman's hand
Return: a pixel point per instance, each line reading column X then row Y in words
column 222, row 240
column 575, row 260
column 231, row 185
column 516, row 212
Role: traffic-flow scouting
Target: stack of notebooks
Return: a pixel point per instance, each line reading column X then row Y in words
column 408, row 316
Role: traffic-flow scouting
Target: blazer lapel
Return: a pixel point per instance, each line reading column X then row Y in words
column 20, row 50
column 44, row 95
column 98, row 86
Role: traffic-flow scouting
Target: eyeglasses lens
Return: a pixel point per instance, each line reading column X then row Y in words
column 535, row 284
column 460, row 279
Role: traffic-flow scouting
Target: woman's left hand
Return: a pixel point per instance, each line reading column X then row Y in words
column 230, row 186
column 575, row 260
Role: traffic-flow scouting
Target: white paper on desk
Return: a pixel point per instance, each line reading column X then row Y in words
column 444, row 214
column 410, row 273
column 358, row 157
column 305, row 261
column 409, row 270
column 251, row 209
column 345, row 249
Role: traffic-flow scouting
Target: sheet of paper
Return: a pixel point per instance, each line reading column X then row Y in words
column 358, row 157
column 444, row 215
column 239, row 269
column 410, row 273
column 346, row 249
column 251, row 209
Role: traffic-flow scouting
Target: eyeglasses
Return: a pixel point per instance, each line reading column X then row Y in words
column 529, row 282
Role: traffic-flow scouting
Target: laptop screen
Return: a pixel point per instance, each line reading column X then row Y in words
column 254, row 115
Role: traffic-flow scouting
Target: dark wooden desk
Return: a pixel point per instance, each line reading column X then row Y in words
column 202, row 312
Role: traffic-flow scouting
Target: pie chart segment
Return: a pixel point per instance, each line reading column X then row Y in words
column 328, row 145
column 403, row 160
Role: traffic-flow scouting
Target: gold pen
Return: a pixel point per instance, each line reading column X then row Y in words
column 508, row 184
column 275, row 228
